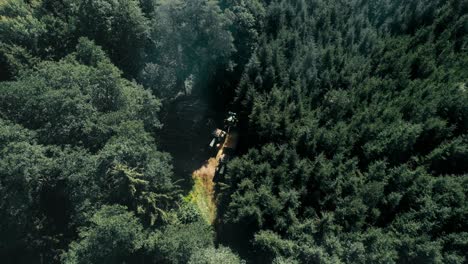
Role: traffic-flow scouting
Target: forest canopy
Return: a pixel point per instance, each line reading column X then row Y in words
column 353, row 130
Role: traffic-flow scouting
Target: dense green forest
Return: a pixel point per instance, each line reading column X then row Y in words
column 353, row 130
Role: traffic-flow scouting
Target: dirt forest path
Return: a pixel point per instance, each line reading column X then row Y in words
column 202, row 193
column 188, row 126
column 188, row 123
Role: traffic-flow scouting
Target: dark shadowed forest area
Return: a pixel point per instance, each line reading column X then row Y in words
column 340, row 131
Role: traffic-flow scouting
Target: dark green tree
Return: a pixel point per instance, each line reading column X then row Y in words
column 113, row 236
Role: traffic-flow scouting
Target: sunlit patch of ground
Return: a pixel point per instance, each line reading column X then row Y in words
column 202, row 193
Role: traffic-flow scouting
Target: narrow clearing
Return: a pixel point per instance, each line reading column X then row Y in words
column 188, row 126
column 202, row 193
column 188, row 123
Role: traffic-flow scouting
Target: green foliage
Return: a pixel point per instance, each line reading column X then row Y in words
column 119, row 26
column 24, row 170
column 88, row 53
column 450, row 157
column 20, row 31
column 75, row 138
column 38, row 196
column 70, row 103
column 186, row 234
column 112, row 237
column 214, row 256
column 189, row 39
column 33, row 30
column 20, row 25
column 355, row 124
column 136, row 174
column 353, row 121
column 247, row 18
column 14, row 59
column 176, row 243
